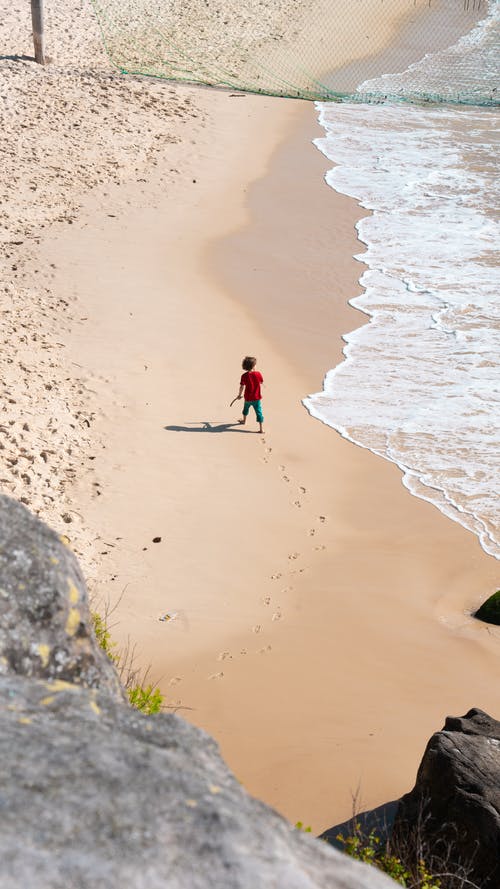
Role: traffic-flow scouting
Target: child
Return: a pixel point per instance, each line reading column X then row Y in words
column 251, row 382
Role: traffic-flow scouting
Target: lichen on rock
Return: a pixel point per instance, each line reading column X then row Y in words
column 45, row 624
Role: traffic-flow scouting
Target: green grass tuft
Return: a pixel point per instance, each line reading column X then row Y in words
column 103, row 637
column 146, row 698
column 370, row 850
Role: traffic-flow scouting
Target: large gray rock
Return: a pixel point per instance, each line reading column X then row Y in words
column 92, row 792
column 453, row 812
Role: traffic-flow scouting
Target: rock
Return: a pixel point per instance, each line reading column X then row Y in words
column 45, row 625
column 378, row 820
column 453, row 812
column 103, row 795
column 94, row 793
column 490, row 610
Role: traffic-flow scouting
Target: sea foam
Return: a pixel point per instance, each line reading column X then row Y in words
column 420, row 383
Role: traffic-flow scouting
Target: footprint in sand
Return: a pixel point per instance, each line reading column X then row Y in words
column 322, row 518
column 216, row 676
column 297, row 503
column 257, row 628
column 267, row 600
column 175, row 680
column 225, row 656
column 277, row 615
column 293, row 556
column 312, row 532
column 265, row 650
column 243, row 651
column 276, row 576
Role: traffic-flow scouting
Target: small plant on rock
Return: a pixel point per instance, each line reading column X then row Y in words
column 299, row 825
column 146, row 698
column 368, row 848
column 103, row 637
column 420, row 871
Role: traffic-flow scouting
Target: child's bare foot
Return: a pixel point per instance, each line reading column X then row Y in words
column 242, row 422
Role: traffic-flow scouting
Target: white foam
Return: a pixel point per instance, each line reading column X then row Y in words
column 465, row 72
column 420, row 384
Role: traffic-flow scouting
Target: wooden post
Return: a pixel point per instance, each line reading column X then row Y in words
column 38, row 35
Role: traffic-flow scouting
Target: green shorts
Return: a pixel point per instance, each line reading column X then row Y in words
column 257, row 406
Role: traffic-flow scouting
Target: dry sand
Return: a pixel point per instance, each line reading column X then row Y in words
column 66, row 129
column 321, row 628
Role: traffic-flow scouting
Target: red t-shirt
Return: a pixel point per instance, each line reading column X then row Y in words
column 251, row 380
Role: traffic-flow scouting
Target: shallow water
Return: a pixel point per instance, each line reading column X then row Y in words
column 420, row 383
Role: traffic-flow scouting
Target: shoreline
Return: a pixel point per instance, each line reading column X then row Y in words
column 319, row 608
column 276, row 654
column 446, row 584
column 285, row 312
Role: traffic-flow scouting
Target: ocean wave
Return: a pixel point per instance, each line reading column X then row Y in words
column 419, row 383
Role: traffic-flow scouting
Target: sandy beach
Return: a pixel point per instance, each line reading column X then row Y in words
column 321, row 615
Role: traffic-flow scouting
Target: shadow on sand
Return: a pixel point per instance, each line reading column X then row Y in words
column 16, row 58
column 206, row 426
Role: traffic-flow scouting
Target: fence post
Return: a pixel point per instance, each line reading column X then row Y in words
column 38, row 35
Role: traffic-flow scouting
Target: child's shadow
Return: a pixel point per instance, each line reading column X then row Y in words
column 206, row 426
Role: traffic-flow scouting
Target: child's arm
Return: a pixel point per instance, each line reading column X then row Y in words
column 240, row 393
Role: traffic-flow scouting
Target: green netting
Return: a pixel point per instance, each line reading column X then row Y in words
column 322, row 50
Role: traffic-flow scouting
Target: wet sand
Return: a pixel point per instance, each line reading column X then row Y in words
column 320, row 612
column 321, row 627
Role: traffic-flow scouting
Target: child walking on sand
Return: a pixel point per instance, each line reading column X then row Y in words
column 251, row 382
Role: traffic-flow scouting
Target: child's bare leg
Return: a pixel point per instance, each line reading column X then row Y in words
column 260, row 428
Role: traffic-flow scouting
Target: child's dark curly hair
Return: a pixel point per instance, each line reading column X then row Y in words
column 248, row 363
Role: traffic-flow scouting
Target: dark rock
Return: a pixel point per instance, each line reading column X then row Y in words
column 379, row 821
column 45, row 625
column 94, row 793
column 490, row 610
column 453, row 812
